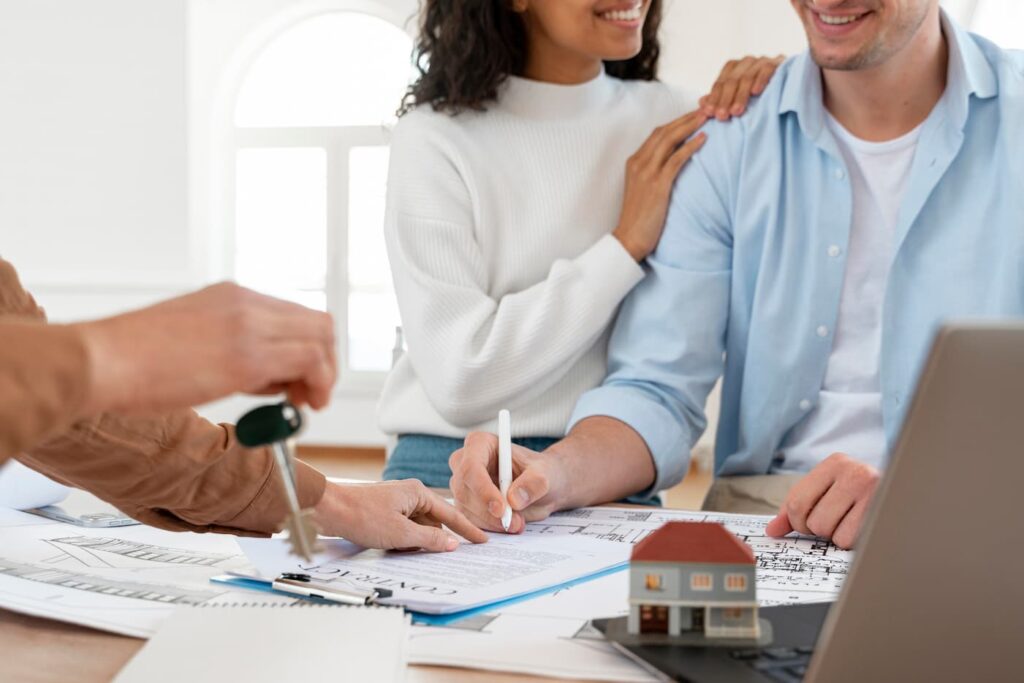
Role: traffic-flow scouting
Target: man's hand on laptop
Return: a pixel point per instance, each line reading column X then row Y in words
column 829, row 502
column 534, row 495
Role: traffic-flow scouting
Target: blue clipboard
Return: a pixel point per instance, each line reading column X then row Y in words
column 267, row 586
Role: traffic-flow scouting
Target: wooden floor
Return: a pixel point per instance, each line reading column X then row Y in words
column 368, row 464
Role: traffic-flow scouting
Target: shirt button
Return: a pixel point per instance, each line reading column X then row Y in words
column 834, row 251
column 805, row 405
column 840, row 174
column 822, row 331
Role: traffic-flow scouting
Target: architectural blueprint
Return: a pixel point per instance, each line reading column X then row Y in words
column 125, row 580
column 790, row 570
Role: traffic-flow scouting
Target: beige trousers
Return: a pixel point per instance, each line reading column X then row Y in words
column 757, row 494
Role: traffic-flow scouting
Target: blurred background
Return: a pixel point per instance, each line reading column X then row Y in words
column 148, row 147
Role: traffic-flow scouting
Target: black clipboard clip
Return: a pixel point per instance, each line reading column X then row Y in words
column 304, row 586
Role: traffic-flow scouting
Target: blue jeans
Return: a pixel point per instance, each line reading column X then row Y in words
column 425, row 457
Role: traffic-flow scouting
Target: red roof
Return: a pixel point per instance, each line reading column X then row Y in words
column 706, row 542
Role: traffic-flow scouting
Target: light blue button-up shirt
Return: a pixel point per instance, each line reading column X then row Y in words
column 747, row 280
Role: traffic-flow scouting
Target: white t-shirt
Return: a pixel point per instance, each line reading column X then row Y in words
column 848, row 416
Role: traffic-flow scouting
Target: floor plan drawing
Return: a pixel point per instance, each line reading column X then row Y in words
column 789, row 570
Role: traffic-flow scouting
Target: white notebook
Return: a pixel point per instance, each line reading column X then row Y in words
column 274, row 643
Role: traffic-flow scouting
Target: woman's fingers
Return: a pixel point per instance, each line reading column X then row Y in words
column 674, row 134
column 738, row 82
column 767, row 69
column 731, row 86
column 744, row 89
column 681, row 156
column 710, row 102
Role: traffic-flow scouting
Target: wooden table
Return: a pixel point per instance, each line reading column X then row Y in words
column 34, row 650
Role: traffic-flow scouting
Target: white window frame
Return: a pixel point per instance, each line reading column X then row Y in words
column 742, row 578
column 695, row 576
column 336, row 141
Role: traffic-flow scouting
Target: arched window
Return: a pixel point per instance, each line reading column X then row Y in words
column 309, row 146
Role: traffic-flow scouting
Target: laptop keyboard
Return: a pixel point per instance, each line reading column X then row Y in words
column 783, row 664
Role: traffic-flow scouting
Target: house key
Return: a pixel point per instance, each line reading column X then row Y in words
column 274, row 426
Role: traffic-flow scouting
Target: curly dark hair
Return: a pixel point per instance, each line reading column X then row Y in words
column 467, row 48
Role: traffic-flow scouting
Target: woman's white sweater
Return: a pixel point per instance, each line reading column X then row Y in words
column 498, row 230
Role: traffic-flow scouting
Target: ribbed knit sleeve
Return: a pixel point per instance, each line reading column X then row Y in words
column 475, row 353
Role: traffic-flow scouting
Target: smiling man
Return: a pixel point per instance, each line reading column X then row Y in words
column 811, row 250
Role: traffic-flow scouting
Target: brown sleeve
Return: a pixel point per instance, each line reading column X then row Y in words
column 175, row 471
column 43, row 382
column 44, row 372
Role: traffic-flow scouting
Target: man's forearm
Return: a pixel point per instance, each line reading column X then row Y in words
column 44, row 382
column 603, row 460
column 175, row 471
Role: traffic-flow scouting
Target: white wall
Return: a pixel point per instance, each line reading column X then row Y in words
column 93, row 197
column 699, row 36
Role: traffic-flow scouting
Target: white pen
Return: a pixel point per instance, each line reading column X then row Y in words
column 505, row 463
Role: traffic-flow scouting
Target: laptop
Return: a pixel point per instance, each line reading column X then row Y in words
column 936, row 591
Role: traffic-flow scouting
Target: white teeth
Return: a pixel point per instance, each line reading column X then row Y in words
column 622, row 15
column 838, row 21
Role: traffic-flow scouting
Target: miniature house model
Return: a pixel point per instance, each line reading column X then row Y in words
column 692, row 578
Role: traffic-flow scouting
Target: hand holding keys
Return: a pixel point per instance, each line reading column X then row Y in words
column 274, row 426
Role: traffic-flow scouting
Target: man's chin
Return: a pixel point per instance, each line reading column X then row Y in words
column 841, row 62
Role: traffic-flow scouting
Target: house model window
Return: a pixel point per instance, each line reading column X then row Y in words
column 735, row 582
column 701, row 582
column 653, row 582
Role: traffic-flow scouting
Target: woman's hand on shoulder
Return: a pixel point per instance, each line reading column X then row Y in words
column 740, row 80
column 650, row 175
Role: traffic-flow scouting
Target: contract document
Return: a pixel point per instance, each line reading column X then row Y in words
column 504, row 568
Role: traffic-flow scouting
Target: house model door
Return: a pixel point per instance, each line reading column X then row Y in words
column 654, row 619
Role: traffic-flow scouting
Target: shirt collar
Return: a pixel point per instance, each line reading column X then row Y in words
column 970, row 74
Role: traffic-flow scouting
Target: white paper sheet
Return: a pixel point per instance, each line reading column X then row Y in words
column 441, row 583
column 22, row 488
column 546, row 636
column 126, row 580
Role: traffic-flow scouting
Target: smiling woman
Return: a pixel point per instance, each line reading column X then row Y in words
column 526, row 187
column 466, row 51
